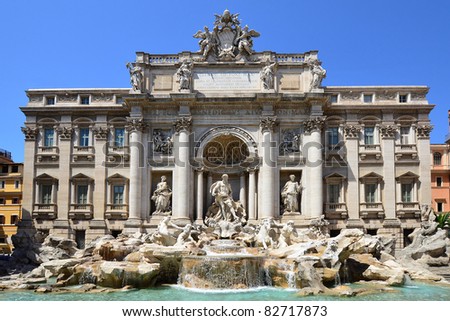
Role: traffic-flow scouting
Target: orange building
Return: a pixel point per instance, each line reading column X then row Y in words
column 440, row 175
column 10, row 199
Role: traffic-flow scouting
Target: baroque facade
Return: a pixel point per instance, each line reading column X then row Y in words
column 101, row 161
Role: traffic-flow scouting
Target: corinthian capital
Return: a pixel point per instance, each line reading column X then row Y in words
column 352, row 131
column 100, row 132
column 65, row 133
column 268, row 123
column 135, row 124
column 30, row 132
column 182, row 123
column 388, row 131
column 423, row 131
column 313, row 124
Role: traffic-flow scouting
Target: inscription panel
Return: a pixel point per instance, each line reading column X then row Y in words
column 226, row 81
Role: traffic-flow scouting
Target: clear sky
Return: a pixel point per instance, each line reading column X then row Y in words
column 86, row 43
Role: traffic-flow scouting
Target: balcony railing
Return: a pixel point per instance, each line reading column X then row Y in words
column 117, row 152
column 116, row 211
column 408, row 209
column 81, row 211
column 371, row 209
column 336, row 209
column 83, row 153
column 406, row 150
column 47, row 154
column 369, row 150
column 44, row 211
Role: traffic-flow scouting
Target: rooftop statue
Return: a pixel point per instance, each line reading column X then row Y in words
column 135, row 76
column 228, row 40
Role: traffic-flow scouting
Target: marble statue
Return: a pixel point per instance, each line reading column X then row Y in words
column 287, row 231
column 266, row 236
column 227, row 19
column 222, row 192
column 318, row 74
column 161, row 196
column 185, row 236
column 162, row 235
column 245, row 42
column 289, row 195
column 135, row 76
column 184, row 74
column 207, row 41
column 267, row 75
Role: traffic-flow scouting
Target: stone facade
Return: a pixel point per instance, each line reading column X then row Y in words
column 93, row 157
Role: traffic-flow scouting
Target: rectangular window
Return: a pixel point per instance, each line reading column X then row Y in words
column 3, row 239
column 84, row 137
column 2, row 184
column 16, row 184
column 118, row 194
column 4, row 169
column 333, row 136
column 334, row 99
column 14, row 219
column 46, row 194
column 2, row 201
column 402, row 98
column 369, row 135
column 84, row 100
column 14, row 169
column 368, row 98
column 404, row 135
column 371, row 193
column 119, row 137
column 82, row 194
column 49, row 134
column 119, row 100
column 50, row 100
column 334, row 191
column 407, row 192
column 15, row 200
column 2, row 220
column 439, row 181
column 440, row 207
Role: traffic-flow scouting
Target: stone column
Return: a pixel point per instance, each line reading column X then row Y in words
column 251, row 194
column 313, row 128
column 209, row 182
column 200, row 193
column 181, row 190
column 423, row 152
column 61, row 194
column 100, row 133
column 352, row 136
column 29, row 188
column 243, row 191
column 267, row 187
column 135, row 127
column 388, row 147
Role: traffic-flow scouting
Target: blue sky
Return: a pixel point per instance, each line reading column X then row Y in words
column 86, row 43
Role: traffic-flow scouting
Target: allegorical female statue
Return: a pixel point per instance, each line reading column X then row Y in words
column 289, row 195
column 161, row 196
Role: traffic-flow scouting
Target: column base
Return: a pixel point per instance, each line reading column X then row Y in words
column 132, row 226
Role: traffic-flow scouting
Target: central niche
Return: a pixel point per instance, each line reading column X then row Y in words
column 225, row 150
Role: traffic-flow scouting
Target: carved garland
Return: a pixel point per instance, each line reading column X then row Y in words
column 182, row 123
column 268, row 123
column 314, row 124
column 30, row 132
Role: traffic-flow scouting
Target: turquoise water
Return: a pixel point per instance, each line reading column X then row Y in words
column 415, row 292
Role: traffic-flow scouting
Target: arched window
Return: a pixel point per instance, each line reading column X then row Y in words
column 437, row 158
